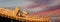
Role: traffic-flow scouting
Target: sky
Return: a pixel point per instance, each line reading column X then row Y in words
column 31, row 5
column 9, row 3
